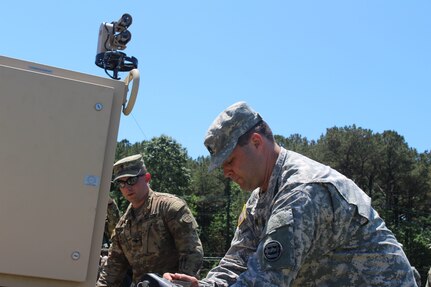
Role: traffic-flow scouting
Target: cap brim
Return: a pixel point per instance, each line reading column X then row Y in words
column 126, row 175
column 217, row 161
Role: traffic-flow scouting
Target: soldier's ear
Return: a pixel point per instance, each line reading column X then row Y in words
column 256, row 139
column 147, row 177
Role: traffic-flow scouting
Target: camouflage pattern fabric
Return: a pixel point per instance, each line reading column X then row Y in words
column 129, row 166
column 112, row 217
column 312, row 227
column 161, row 236
column 235, row 120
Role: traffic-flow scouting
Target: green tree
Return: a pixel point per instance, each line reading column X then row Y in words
column 209, row 202
column 397, row 164
column 295, row 143
column 122, row 149
column 413, row 228
column 166, row 160
column 351, row 151
column 218, row 204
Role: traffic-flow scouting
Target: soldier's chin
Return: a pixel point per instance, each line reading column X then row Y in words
column 245, row 188
column 248, row 188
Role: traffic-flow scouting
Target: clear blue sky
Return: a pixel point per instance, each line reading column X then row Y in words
column 304, row 65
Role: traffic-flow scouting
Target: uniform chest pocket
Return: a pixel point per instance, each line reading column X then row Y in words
column 146, row 236
column 155, row 235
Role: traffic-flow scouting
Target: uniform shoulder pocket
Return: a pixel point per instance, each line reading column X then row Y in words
column 278, row 220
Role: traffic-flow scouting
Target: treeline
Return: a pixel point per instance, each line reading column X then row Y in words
column 395, row 176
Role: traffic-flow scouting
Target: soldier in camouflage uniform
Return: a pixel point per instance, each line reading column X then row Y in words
column 156, row 234
column 112, row 217
column 304, row 224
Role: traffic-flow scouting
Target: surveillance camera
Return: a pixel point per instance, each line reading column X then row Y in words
column 114, row 36
column 104, row 42
column 120, row 40
column 124, row 22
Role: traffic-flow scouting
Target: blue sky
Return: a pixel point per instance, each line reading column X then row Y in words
column 304, row 65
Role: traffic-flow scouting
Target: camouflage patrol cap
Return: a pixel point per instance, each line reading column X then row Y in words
column 129, row 166
column 223, row 134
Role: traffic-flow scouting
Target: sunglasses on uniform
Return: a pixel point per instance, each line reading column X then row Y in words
column 130, row 181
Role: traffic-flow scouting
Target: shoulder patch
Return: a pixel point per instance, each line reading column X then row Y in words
column 272, row 250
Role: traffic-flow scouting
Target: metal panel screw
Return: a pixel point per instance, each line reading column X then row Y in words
column 75, row 255
column 98, row 106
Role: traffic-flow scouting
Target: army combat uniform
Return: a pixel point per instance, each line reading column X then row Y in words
column 161, row 236
column 312, row 227
column 112, row 217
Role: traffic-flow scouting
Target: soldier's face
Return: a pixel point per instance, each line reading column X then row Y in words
column 136, row 193
column 242, row 167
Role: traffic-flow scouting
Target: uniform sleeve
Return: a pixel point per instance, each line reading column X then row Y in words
column 184, row 229
column 115, row 267
column 297, row 219
column 275, row 258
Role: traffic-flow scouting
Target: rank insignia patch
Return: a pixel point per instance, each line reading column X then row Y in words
column 242, row 216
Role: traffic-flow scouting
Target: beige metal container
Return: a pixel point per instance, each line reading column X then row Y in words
column 58, row 132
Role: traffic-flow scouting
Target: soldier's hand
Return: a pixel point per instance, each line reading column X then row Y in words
column 181, row 277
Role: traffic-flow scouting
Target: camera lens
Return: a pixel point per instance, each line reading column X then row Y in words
column 123, row 38
column 125, row 21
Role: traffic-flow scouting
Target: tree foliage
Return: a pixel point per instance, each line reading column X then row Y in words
column 166, row 160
